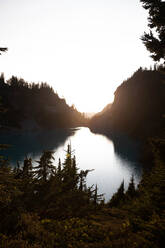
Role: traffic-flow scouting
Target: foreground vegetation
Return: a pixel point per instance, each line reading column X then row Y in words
column 51, row 206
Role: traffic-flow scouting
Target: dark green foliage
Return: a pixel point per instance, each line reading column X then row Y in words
column 45, row 190
column 131, row 191
column 10, row 204
column 68, row 193
column 58, row 211
column 70, row 171
column 118, row 197
column 45, row 166
column 82, row 179
column 54, row 191
column 27, row 168
column 155, row 41
column 3, row 161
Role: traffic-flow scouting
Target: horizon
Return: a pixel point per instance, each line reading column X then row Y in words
column 83, row 50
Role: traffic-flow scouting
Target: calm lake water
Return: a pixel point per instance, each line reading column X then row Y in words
column 113, row 158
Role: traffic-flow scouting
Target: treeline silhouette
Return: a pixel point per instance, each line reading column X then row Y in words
column 38, row 103
column 138, row 107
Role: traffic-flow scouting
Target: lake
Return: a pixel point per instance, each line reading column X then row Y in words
column 114, row 158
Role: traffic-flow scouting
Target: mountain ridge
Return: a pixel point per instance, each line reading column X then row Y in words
column 138, row 106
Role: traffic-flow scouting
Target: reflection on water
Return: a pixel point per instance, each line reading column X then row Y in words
column 33, row 143
column 113, row 159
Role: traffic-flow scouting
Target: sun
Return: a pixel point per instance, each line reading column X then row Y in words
column 94, row 104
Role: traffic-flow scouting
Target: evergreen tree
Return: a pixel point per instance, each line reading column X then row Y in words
column 59, row 170
column 131, row 191
column 82, row 179
column 2, row 79
column 95, row 197
column 4, row 162
column 45, row 167
column 17, row 171
column 155, row 42
column 118, row 197
column 70, row 175
column 27, row 168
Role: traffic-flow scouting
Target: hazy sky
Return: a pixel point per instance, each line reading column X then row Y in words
column 83, row 48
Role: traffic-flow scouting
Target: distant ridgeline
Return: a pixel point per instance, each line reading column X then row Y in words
column 138, row 108
column 34, row 105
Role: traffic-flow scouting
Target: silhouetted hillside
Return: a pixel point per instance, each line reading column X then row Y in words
column 105, row 109
column 34, row 105
column 138, row 107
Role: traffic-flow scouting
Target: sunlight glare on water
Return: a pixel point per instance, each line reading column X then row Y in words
column 113, row 159
column 95, row 151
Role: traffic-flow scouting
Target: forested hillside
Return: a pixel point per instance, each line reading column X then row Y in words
column 34, row 105
column 138, row 107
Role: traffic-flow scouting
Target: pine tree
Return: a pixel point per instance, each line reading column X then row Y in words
column 4, row 162
column 155, row 42
column 70, row 175
column 2, row 79
column 131, row 191
column 82, row 179
column 27, row 168
column 118, row 197
column 59, row 171
column 45, row 167
column 17, row 171
column 95, row 197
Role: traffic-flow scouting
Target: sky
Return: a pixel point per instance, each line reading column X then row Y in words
column 83, row 48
